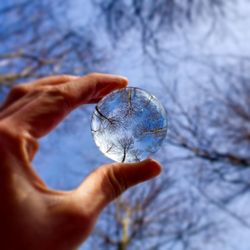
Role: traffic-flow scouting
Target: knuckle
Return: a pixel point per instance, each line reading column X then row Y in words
column 60, row 95
column 48, row 95
column 33, row 94
column 53, row 91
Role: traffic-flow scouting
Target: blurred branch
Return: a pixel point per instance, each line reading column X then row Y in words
column 42, row 48
column 153, row 214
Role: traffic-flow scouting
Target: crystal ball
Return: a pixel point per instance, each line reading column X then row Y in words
column 129, row 124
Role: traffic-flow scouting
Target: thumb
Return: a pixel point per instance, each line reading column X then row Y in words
column 109, row 181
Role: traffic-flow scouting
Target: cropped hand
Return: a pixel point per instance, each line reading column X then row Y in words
column 32, row 216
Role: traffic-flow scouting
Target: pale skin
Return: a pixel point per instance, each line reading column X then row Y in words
column 32, row 216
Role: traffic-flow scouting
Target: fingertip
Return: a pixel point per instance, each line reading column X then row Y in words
column 153, row 165
column 118, row 80
column 123, row 80
column 103, row 85
column 107, row 77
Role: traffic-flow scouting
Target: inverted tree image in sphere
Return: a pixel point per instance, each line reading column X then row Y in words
column 129, row 124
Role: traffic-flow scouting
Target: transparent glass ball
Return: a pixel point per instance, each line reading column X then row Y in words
column 129, row 124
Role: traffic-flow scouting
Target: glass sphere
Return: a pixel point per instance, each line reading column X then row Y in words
column 129, row 124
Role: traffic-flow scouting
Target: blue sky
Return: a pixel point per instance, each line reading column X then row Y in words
column 69, row 153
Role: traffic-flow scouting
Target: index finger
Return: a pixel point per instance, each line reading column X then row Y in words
column 45, row 109
column 20, row 90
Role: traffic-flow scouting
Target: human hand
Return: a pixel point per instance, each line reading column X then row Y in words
column 32, row 216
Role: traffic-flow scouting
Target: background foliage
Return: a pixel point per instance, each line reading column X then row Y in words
column 193, row 55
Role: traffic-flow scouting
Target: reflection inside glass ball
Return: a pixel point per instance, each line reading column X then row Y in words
column 129, row 124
